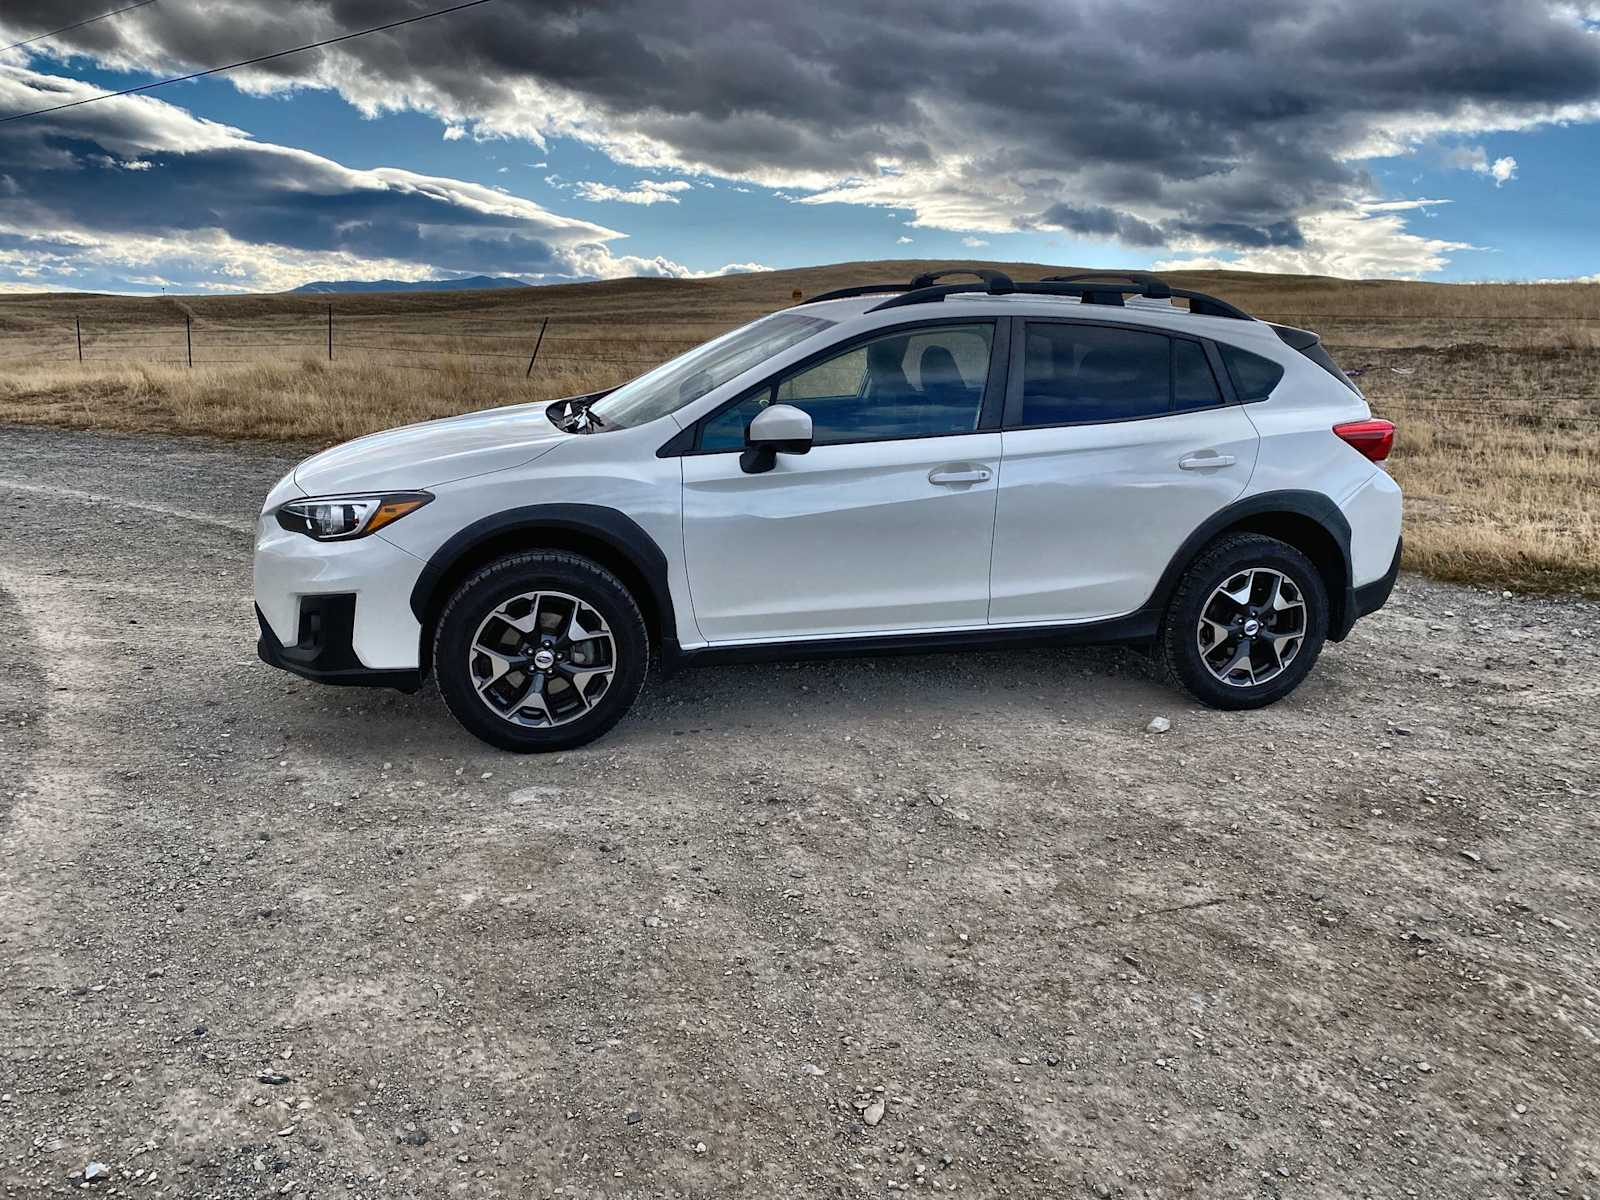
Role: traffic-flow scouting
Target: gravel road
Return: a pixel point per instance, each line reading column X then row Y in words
column 938, row 924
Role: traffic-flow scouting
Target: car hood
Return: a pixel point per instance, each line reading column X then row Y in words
column 432, row 452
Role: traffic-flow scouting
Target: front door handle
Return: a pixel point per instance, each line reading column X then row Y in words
column 1201, row 462
column 959, row 475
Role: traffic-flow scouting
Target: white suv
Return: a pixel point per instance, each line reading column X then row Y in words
column 885, row 468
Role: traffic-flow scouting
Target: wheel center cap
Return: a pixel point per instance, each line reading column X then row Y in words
column 1252, row 627
column 544, row 659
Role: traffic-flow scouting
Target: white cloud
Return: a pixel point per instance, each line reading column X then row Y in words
column 454, row 133
column 601, row 263
column 974, row 242
column 1372, row 206
column 243, row 266
column 902, row 240
column 1362, row 241
column 1476, row 159
column 646, row 191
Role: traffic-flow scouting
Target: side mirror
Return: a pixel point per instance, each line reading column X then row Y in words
column 777, row 429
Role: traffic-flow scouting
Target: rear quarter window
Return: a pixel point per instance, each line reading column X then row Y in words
column 1254, row 376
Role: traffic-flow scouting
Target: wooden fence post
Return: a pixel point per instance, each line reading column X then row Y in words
column 330, row 332
column 77, row 324
column 188, row 339
column 534, row 356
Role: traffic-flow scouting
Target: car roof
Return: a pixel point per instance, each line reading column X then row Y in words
column 858, row 313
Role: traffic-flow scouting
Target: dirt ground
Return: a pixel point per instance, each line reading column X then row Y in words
column 263, row 937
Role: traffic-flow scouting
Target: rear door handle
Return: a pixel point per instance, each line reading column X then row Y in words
column 1201, row 462
column 959, row 475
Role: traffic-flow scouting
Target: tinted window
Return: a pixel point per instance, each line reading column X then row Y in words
column 1085, row 373
column 686, row 378
column 1193, row 384
column 919, row 383
column 1254, row 377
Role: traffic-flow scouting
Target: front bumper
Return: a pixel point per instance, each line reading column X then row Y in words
column 358, row 591
column 325, row 652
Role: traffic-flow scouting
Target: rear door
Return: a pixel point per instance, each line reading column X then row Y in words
column 1118, row 442
column 885, row 524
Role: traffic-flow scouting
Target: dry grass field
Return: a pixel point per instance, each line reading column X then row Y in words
column 1495, row 387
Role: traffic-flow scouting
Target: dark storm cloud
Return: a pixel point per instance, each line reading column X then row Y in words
column 1102, row 222
column 1214, row 122
column 146, row 169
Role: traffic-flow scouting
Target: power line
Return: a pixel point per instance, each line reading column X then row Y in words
column 79, row 25
column 249, row 62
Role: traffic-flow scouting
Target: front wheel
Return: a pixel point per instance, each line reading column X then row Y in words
column 1246, row 623
column 539, row 652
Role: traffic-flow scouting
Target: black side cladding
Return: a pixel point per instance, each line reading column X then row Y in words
column 1311, row 346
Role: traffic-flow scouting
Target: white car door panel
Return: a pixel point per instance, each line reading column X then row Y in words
column 885, row 524
column 1089, row 515
column 1132, row 447
column 858, row 538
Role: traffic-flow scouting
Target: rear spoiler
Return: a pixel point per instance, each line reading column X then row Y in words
column 1299, row 339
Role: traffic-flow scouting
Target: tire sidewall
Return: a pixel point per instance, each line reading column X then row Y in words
column 492, row 586
column 1209, row 571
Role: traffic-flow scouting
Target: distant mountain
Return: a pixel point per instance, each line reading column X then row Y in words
column 470, row 283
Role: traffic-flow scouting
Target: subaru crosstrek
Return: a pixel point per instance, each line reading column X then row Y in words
column 884, row 468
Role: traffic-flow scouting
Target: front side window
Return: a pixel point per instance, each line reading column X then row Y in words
column 915, row 383
column 684, row 379
column 1088, row 373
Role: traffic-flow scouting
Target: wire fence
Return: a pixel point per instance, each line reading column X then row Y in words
column 459, row 340
column 516, row 347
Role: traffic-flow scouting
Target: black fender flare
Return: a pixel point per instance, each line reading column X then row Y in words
column 1313, row 506
column 592, row 523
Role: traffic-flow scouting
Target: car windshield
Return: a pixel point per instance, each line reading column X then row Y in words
column 686, row 378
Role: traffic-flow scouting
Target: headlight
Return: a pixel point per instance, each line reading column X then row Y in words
column 339, row 518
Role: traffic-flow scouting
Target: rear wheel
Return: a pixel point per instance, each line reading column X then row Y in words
column 539, row 652
column 1246, row 623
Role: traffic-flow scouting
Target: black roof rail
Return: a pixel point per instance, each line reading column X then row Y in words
column 996, row 283
column 1200, row 303
column 1156, row 288
column 864, row 289
column 924, row 289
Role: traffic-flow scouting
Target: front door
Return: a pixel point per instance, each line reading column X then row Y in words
column 885, row 525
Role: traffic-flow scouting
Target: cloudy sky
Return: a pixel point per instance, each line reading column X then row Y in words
column 1449, row 139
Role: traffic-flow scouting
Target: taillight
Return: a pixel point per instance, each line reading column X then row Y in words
column 1372, row 439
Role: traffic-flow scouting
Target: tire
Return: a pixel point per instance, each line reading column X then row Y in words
column 541, row 651
column 1245, row 588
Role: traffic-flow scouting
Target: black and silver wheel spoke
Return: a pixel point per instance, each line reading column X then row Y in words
column 1251, row 627
column 542, row 659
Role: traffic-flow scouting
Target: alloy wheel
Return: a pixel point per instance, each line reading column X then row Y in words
column 1251, row 627
column 542, row 659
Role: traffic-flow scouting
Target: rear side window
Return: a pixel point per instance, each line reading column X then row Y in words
column 1075, row 374
column 1254, row 377
column 1193, row 384
column 1086, row 373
